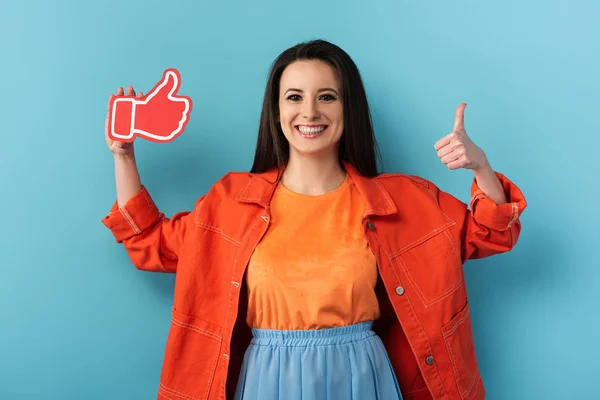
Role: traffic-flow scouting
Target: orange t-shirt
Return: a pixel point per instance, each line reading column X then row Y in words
column 313, row 268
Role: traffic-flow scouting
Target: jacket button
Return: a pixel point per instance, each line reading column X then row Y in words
column 429, row 360
column 371, row 225
column 399, row 290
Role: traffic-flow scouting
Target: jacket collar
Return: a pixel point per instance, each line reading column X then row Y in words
column 261, row 187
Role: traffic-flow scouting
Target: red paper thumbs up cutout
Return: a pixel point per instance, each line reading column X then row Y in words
column 160, row 116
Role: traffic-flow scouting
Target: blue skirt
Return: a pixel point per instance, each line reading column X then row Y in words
column 344, row 363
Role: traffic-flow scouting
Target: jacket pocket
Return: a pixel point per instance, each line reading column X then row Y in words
column 191, row 356
column 432, row 265
column 458, row 336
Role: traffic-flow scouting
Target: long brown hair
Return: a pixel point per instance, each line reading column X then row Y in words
column 357, row 145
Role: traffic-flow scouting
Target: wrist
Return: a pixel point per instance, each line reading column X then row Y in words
column 124, row 158
column 484, row 168
column 484, row 173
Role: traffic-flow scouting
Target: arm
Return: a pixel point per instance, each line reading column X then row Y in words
column 492, row 225
column 127, row 178
column 152, row 241
column 490, row 185
column 485, row 227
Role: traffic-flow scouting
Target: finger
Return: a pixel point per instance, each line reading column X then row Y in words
column 456, row 164
column 449, row 148
column 120, row 91
column 444, row 141
column 110, row 99
column 453, row 156
column 140, row 95
column 130, row 91
column 459, row 122
column 106, row 129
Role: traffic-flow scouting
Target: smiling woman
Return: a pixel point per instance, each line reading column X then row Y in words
column 312, row 86
column 310, row 107
column 313, row 276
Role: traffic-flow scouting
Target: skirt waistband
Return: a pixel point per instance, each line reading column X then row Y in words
column 313, row 337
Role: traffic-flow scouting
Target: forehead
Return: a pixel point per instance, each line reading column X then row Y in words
column 309, row 74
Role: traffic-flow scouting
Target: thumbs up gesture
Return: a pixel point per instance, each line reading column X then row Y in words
column 160, row 116
column 456, row 150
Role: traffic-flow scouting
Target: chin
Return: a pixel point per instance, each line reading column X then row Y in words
column 313, row 151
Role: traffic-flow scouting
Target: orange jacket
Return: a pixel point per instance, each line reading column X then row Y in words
column 420, row 235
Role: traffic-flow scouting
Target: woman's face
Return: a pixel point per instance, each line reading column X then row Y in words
column 310, row 108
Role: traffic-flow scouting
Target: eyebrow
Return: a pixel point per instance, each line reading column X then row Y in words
column 320, row 90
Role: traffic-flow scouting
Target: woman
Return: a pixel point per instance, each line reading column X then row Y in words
column 313, row 276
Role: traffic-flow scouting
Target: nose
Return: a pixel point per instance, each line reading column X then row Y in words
column 311, row 111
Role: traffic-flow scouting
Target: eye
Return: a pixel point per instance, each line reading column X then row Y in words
column 328, row 97
column 294, row 97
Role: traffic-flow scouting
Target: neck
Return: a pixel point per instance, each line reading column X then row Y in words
column 313, row 176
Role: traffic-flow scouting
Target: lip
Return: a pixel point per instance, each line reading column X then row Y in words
column 308, row 136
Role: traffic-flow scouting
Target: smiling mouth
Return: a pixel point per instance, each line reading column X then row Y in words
column 310, row 131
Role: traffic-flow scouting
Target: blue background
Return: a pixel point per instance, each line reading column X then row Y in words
column 79, row 322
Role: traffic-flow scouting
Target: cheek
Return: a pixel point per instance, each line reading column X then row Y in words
column 337, row 112
column 339, row 116
column 285, row 120
column 285, row 115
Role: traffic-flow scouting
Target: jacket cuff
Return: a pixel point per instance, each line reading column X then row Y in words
column 138, row 214
column 497, row 216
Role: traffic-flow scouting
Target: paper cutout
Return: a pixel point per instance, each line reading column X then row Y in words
column 159, row 116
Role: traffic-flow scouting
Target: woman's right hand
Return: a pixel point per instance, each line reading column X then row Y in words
column 116, row 147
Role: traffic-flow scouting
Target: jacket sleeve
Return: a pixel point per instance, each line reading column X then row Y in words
column 486, row 228
column 152, row 240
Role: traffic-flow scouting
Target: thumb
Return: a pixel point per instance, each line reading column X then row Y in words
column 169, row 84
column 459, row 122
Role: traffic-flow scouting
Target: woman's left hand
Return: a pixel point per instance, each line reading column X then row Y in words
column 456, row 150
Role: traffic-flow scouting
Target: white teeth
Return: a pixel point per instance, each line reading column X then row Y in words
column 305, row 129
